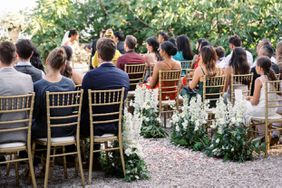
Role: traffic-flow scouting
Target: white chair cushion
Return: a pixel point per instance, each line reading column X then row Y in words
column 12, row 145
column 59, row 139
column 131, row 93
column 104, row 136
column 168, row 102
column 274, row 117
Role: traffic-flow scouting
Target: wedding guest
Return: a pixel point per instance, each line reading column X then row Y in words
column 184, row 50
column 235, row 41
column 196, row 59
column 53, row 82
column 67, row 71
column 119, row 40
column 35, row 60
column 12, row 83
column 220, row 52
column 264, row 51
column 95, row 60
column 172, row 40
column 93, row 47
column 279, row 57
column 152, row 56
column 262, row 43
column 106, row 76
column 162, row 37
column 24, row 49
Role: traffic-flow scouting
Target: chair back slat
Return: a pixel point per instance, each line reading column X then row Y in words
column 169, row 84
column 135, row 73
column 273, row 97
column 106, row 106
column 16, row 114
column 63, row 110
column 243, row 82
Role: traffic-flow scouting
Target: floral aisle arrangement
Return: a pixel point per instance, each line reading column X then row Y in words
column 146, row 105
column 230, row 140
column 135, row 166
column 189, row 126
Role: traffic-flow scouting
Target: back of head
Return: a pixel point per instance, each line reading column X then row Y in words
column 220, row 52
column 265, row 63
column 109, row 34
column 24, row 48
column 106, row 49
column 209, row 59
column 266, row 50
column 152, row 41
column 72, row 32
column 239, row 62
column 57, row 58
column 235, row 40
column 169, row 48
column 130, row 42
column 204, row 43
column 164, row 35
column 68, row 51
column 119, row 35
column 172, row 40
column 7, row 53
column 184, row 45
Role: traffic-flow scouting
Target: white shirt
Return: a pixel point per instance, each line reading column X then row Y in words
column 249, row 59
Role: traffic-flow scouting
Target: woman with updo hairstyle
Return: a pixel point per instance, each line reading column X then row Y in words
column 67, row 71
column 256, row 104
column 167, row 50
column 53, row 81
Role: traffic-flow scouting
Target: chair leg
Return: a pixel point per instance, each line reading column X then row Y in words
column 47, row 166
column 31, row 167
column 17, row 170
column 65, row 163
column 80, row 163
column 8, row 167
column 107, row 152
column 122, row 158
column 90, row 161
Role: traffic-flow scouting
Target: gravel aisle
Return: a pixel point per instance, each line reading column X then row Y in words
column 172, row 166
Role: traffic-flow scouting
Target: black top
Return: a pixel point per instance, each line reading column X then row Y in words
column 39, row 127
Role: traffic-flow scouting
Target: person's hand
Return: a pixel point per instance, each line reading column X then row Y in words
column 248, row 98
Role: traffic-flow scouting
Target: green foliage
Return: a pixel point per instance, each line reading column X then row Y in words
column 233, row 143
column 151, row 124
column 211, row 19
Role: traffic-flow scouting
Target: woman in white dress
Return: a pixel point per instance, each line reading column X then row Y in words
column 71, row 39
column 256, row 103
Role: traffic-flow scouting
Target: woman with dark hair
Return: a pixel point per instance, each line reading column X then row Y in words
column 67, row 70
column 238, row 65
column 153, row 54
column 53, row 81
column 71, row 39
column 35, row 60
column 184, row 52
column 196, row 59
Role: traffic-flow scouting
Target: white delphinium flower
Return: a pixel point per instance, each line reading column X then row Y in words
column 139, row 99
column 198, row 112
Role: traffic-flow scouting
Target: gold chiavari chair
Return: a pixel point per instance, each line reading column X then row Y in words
column 273, row 101
column 243, row 82
column 16, row 117
column 185, row 67
column 69, row 105
column 278, row 76
column 135, row 73
column 78, row 87
column 105, row 107
column 150, row 69
column 168, row 92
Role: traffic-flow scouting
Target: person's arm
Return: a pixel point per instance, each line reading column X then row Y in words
column 227, row 73
column 196, row 78
column 255, row 98
column 95, row 60
column 76, row 77
column 155, row 76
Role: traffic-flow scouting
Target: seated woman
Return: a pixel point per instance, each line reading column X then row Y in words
column 207, row 67
column 67, row 71
column 184, row 50
column 53, row 81
column 238, row 65
column 196, row 59
column 167, row 50
column 256, row 104
column 152, row 56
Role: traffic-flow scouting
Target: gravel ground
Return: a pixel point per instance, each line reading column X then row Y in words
column 172, row 166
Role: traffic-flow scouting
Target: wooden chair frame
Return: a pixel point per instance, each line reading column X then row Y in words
column 98, row 98
column 170, row 76
column 210, row 83
column 185, row 66
column 236, row 80
column 70, row 99
column 15, row 104
column 134, row 69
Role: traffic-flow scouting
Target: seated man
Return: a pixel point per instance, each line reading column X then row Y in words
column 105, row 77
column 24, row 50
column 130, row 56
column 12, row 83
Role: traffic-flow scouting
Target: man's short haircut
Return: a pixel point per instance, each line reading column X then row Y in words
column 267, row 50
column 220, row 51
column 235, row 40
column 119, row 35
column 130, row 42
column 164, row 35
column 24, row 48
column 7, row 53
column 106, row 48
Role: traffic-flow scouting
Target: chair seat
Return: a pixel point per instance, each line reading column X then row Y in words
column 271, row 118
column 131, row 93
column 12, row 145
column 105, row 137
column 58, row 140
column 168, row 102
